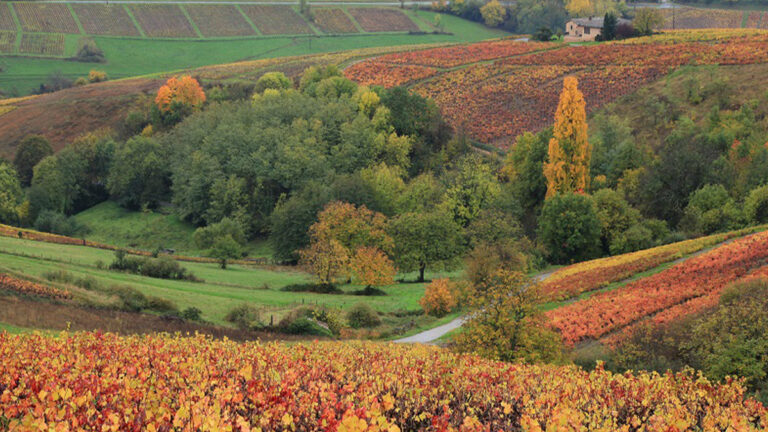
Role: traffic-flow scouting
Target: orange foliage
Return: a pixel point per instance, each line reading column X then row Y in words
column 185, row 90
column 30, row 288
column 105, row 382
column 371, row 267
column 439, row 298
column 569, row 150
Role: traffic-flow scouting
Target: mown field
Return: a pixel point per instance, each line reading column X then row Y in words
column 138, row 39
column 219, row 291
column 498, row 90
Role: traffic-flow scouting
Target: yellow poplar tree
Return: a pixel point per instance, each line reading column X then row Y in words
column 569, row 150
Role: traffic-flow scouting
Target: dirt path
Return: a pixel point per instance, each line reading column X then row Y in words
column 432, row 335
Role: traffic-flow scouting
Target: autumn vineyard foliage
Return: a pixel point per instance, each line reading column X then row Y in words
column 26, row 287
column 94, row 381
column 684, row 289
column 498, row 90
column 591, row 275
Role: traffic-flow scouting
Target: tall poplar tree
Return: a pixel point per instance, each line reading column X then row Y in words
column 569, row 151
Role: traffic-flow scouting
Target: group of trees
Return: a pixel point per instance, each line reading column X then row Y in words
column 544, row 19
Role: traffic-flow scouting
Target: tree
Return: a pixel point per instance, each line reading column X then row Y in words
column 341, row 230
column 711, row 209
column 425, row 239
column 487, row 258
column 609, row 26
column 756, row 205
column 524, row 170
column 273, row 80
column 569, row 151
column 615, row 215
column 507, row 324
column 493, row 13
column 225, row 248
column 647, row 20
column 30, row 152
column 439, row 298
column 371, row 267
column 10, row 195
column 472, row 186
column 569, row 228
column 178, row 98
column 223, row 241
column 140, row 173
column 325, row 258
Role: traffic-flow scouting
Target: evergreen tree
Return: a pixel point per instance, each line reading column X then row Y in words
column 569, row 150
column 609, row 26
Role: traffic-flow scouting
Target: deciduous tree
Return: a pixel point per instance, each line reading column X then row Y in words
column 425, row 239
column 493, row 13
column 370, row 266
column 439, row 299
column 29, row 153
column 569, row 151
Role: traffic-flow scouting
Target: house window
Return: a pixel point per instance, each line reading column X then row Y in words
column 586, row 31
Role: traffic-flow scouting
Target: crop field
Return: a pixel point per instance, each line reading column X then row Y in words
column 42, row 44
column 686, row 288
column 517, row 91
column 698, row 18
column 110, row 20
column 6, row 19
column 333, row 20
column 7, row 41
column 219, row 20
column 382, row 20
column 49, row 18
column 275, row 20
column 224, row 385
column 162, row 20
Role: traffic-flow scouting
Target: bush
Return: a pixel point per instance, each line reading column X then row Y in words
column 369, row 291
column 57, row 223
column 543, row 34
column 161, row 268
column 273, row 80
column 95, row 76
column 331, row 317
column 756, row 205
column 305, row 326
column 635, row 238
column 318, row 288
column 361, row 315
column 245, row 316
column 439, row 299
column 89, row 52
column 191, row 314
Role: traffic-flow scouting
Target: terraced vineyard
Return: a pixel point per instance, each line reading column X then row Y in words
column 7, row 41
column 274, row 20
column 219, row 20
column 498, row 90
column 696, row 18
column 112, row 20
column 42, row 44
column 382, row 20
column 163, row 20
column 49, row 18
column 333, row 20
column 6, row 19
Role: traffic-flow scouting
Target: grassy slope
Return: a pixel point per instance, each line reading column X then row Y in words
column 132, row 57
column 221, row 291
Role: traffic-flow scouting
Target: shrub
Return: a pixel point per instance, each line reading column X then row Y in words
column 245, row 316
column 361, row 315
column 319, row 288
column 191, row 314
column 331, row 317
column 89, row 52
column 161, row 268
column 95, row 76
column 273, row 80
column 756, row 205
column 54, row 222
column 305, row 326
column 439, row 299
column 161, row 305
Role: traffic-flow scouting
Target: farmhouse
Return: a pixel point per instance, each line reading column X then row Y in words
column 586, row 29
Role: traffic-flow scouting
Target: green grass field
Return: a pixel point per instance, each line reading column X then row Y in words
column 128, row 57
column 221, row 290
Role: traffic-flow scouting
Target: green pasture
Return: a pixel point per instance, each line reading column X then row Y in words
column 221, row 290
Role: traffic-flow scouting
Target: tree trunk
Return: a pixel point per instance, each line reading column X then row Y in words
column 223, row 264
column 421, row 272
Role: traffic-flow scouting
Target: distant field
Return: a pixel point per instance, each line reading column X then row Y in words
column 699, row 18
